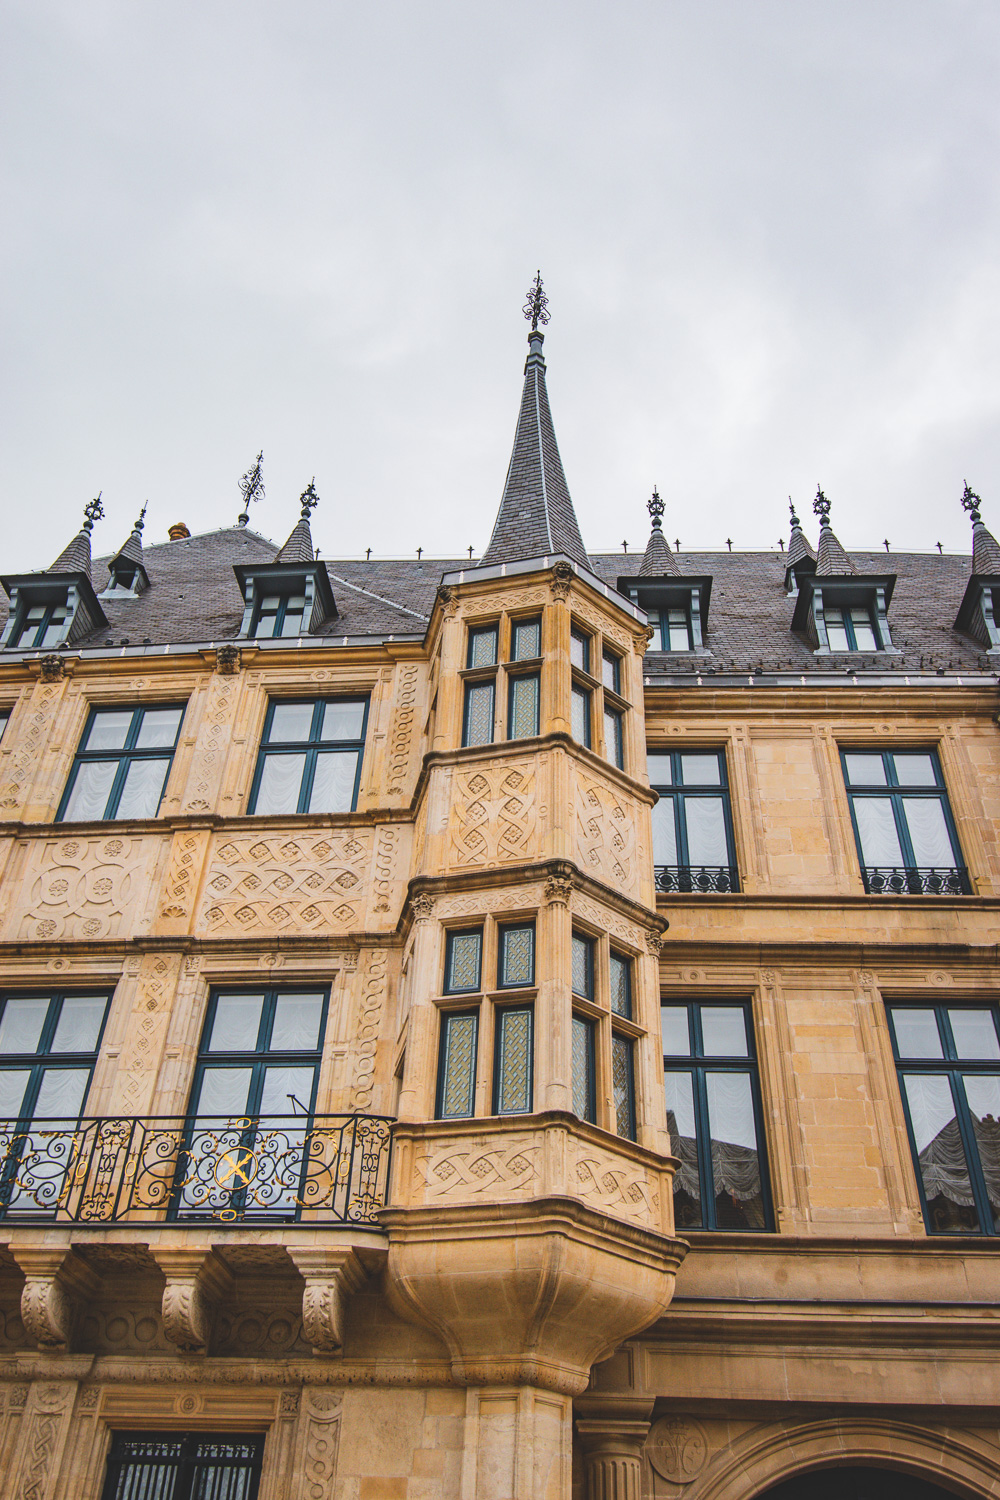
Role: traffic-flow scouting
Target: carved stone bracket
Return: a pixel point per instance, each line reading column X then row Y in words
column 330, row 1276
column 422, row 907
column 51, row 668
column 55, row 1282
column 195, row 1281
column 643, row 641
column 562, row 578
column 612, row 1432
column 227, row 660
column 447, row 597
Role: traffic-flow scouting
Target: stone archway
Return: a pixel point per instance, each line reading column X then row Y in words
column 850, row 1482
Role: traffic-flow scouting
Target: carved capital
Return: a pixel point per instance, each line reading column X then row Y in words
column 422, row 907
column 562, row 577
column 195, row 1281
column 559, row 886
column 55, row 1281
column 330, row 1277
column 612, row 1433
column 642, row 643
column 227, row 660
column 51, row 668
column 654, row 942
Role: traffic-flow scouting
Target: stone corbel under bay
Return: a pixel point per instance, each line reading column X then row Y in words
column 55, row 1282
column 196, row 1280
column 330, row 1275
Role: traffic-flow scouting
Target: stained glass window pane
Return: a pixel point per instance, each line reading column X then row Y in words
column 581, row 716
column 458, row 1066
column 483, row 647
column 523, row 708
column 517, row 956
column 583, row 967
column 622, row 1086
column 514, row 1062
column 582, row 1068
column 465, row 955
column 621, row 986
column 479, row 713
column 579, row 651
column 527, row 640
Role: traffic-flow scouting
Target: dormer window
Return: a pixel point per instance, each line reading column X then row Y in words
column 673, row 627
column 41, row 626
column 845, row 614
column 283, row 602
column 677, row 608
column 851, row 629
column 279, row 615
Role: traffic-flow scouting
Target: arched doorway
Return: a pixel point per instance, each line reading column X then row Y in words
column 855, row 1483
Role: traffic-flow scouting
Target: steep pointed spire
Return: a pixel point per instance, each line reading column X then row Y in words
column 658, row 558
column 76, row 557
column 536, row 516
column 132, row 550
column 831, row 559
column 127, row 561
column 299, row 547
column 798, row 543
column 985, row 549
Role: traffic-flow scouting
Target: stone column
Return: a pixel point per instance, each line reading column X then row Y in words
column 416, row 1099
column 612, row 1433
column 553, row 1005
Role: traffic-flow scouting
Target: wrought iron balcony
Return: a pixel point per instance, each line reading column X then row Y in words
column 909, row 880
column 699, row 879
column 324, row 1169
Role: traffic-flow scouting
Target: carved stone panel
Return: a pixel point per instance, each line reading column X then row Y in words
column 495, row 815
column 606, row 820
column 88, row 888
column 270, row 881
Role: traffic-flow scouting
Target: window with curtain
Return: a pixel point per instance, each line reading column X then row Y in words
column 121, row 767
column 310, row 757
column 948, row 1061
column 41, row 626
column 713, row 1116
column 183, row 1466
column 693, row 847
column 903, row 827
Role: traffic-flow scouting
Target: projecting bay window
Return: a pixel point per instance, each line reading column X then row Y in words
column 484, row 1033
column 183, row 1466
column 713, row 1116
column 602, row 1037
column 121, row 767
column 948, row 1061
column 906, row 838
column 310, row 757
column 498, row 687
column 693, row 845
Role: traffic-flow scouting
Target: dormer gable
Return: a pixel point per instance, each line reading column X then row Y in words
column 291, row 596
column 128, row 577
column 837, row 609
column 676, row 603
column 59, row 606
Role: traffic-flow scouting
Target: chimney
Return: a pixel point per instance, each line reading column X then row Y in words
column 178, row 531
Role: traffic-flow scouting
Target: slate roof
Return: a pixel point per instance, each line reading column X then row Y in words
column 193, row 596
column 658, row 560
column 299, row 547
column 76, row 557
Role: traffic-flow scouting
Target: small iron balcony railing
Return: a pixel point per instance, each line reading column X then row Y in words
column 908, row 880
column 330, row 1169
column 699, row 879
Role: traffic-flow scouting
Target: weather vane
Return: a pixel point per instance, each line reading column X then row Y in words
column 656, row 507
column 93, row 511
column 251, row 488
column 821, row 507
column 971, row 502
column 309, row 498
column 536, row 308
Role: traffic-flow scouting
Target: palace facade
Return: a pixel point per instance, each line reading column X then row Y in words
column 500, row 1029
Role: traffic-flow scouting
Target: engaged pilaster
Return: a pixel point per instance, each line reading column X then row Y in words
column 612, row 1435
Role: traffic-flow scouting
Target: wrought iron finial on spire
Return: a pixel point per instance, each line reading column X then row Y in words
column 309, row 498
column 93, row 511
column 140, row 523
column 656, row 507
column 796, row 524
column 821, row 507
column 971, row 502
column 251, row 488
column 536, row 308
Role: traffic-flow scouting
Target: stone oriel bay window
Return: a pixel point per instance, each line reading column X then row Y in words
column 598, row 710
column 492, row 1038
column 502, row 680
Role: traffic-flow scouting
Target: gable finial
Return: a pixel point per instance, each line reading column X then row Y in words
column 971, row 502
column 93, row 511
column 821, row 507
column 309, row 498
column 251, row 488
column 656, row 507
column 796, row 524
column 536, row 308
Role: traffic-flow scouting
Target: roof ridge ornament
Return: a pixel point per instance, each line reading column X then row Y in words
column 309, row 499
column 971, row 502
column 821, row 507
column 656, row 507
column 796, row 523
column 536, row 307
column 93, row 511
column 251, row 488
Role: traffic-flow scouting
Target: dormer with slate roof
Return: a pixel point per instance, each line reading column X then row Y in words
column 128, row 573
column 291, row 596
column 977, row 615
column 800, row 557
column 59, row 606
column 839, row 609
column 676, row 603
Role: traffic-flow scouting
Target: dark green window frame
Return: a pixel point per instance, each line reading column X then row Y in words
column 129, row 754
column 909, row 878
column 279, row 614
column 43, row 1058
column 686, row 875
column 583, row 1067
column 41, row 625
column 513, row 1095
column 514, row 687
column 481, row 633
column 452, row 1086
column 583, row 965
column 260, row 1055
column 464, row 935
column 476, row 685
column 504, row 936
column 520, row 639
column 311, row 749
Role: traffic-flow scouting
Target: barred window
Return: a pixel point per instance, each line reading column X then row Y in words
column 183, row 1466
column 121, row 767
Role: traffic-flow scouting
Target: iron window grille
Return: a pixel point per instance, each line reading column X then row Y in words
column 121, row 767
column 948, row 1063
column 183, row 1466
column 903, row 827
column 310, row 756
column 693, row 843
column 713, row 1116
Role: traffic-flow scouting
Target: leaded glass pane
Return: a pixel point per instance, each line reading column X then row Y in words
column 621, row 1084
column 527, row 640
column 611, row 673
column 517, row 956
column 583, row 967
column 465, row 955
column 523, row 707
column 458, row 1066
column 579, row 651
column 581, row 715
column 514, row 1062
column 621, row 986
column 582, row 1068
column 479, row 713
column 483, row 647
column 613, row 736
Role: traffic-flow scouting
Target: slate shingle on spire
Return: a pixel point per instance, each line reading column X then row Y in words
column 985, row 548
column 977, row 615
column 76, row 557
column 128, row 572
column 831, row 559
column 536, row 516
column 299, row 546
column 658, row 560
column 800, row 555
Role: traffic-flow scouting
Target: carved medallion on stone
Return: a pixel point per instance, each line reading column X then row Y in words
column 677, row 1448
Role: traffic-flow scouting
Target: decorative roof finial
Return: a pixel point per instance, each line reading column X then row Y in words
column 140, row 523
column 821, row 507
column 309, row 498
column 656, row 507
column 971, row 502
column 251, row 488
column 536, row 308
column 796, row 524
column 93, row 511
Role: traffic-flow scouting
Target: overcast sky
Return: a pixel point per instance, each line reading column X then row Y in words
column 769, row 231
